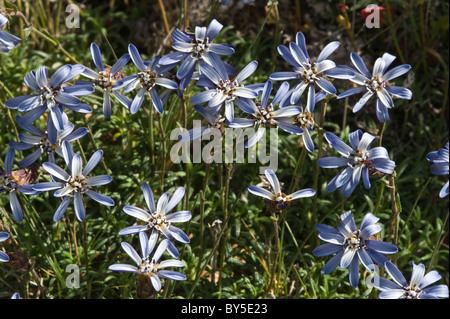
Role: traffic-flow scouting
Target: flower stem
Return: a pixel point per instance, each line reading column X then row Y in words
column 54, row 43
column 276, row 251
column 383, row 127
column 208, row 259
column 298, row 168
column 317, row 169
column 163, row 161
column 86, row 259
column 92, row 139
column 394, row 32
column 439, row 242
column 414, row 205
column 164, row 16
column 395, row 211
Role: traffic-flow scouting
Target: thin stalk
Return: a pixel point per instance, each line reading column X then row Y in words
column 261, row 29
column 394, row 32
column 202, row 210
column 86, row 259
column 228, row 175
column 319, row 155
column 438, row 244
column 213, row 10
column 379, row 199
column 186, row 165
column 163, row 161
column 54, row 43
column 186, row 12
column 298, row 168
column 395, row 212
column 414, row 206
column 276, row 37
column 94, row 144
column 383, row 127
column 275, row 252
column 164, row 16
column 208, row 259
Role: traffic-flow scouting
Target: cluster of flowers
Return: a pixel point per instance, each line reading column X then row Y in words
column 197, row 58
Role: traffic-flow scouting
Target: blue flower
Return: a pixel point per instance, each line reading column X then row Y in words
column 157, row 219
column 3, row 256
column 377, row 84
column 359, row 160
column 8, row 184
column 304, row 120
column 215, row 122
column 440, row 166
column 351, row 245
column 221, row 90
column 310, row 73
column 417, row 288
column 279, row 199
column 107, row 79
column 150, row 267
column 7, row 40
column 48, row 142
column 76, row 184
column 51, row 95
column 195, row 49
column 148, row 78
column 265, row 116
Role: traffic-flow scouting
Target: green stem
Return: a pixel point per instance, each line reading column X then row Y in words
column 208, row 259
column 163, row 161
column 319, row 155
column 298, row 168
column 94, row 144
column 414, row 205
column 380, row 197
column 395, row 212
column 261, row 28
column 275, row 252
column 438, row 244
column 383, row 127
column 86, row 259
column 394, row 32
column 54, row 43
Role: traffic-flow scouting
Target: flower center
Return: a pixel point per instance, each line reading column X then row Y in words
column 147, row 79
column 374, row 84
column 265, row 116
column 309, row 73
column 78, row 184
column 227, row 87
column 412, row 292
column 354, row 242
column 148, row 266
column 105, row 81
column 360, row 158
column 200, row 48
column 47, row 95
column 304, row 119
column 157, row 221
column 282, row 201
